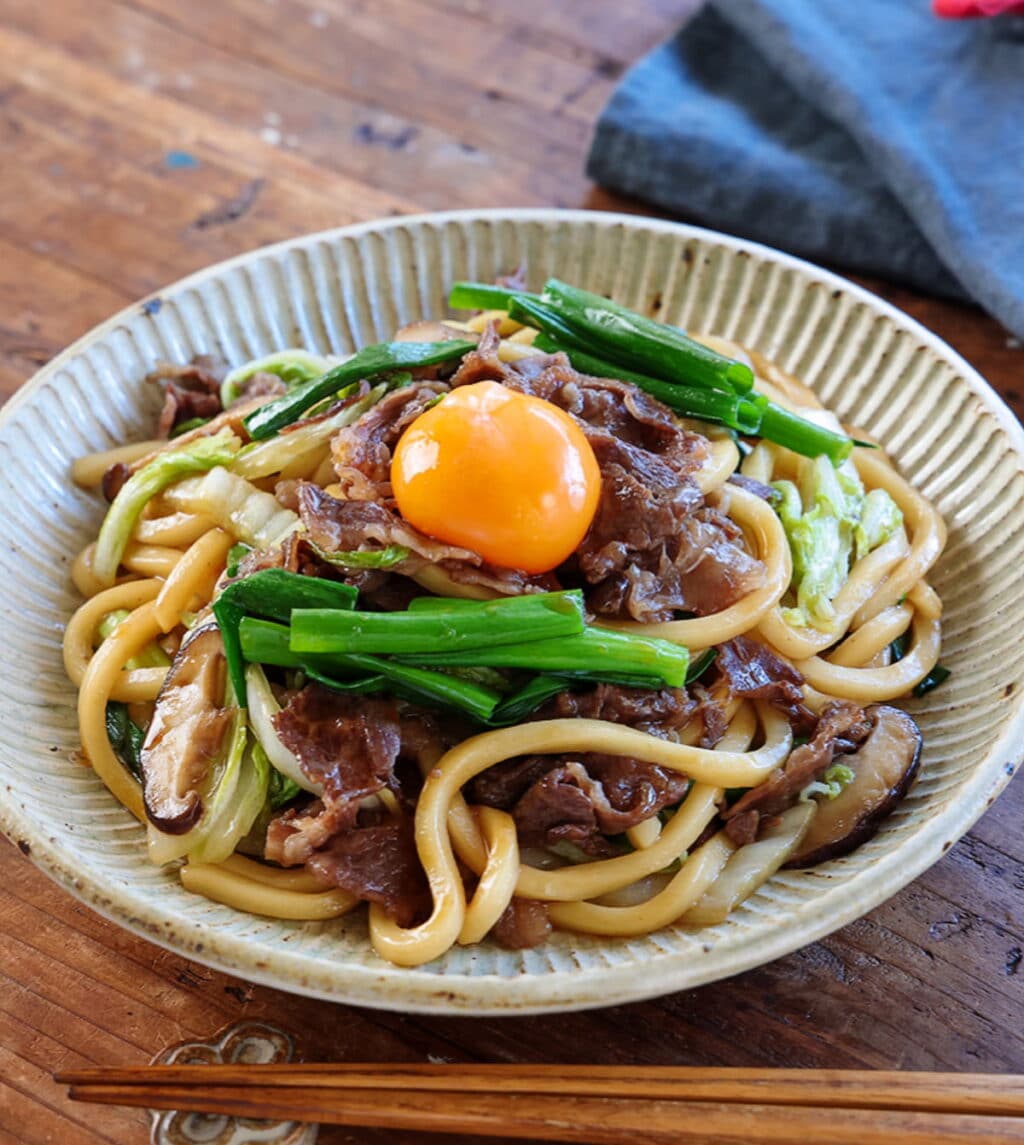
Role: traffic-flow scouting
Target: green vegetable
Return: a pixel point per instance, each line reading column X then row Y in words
column 831, row 783
column 515, row 708
column 270, row 593
column 262, row 706
column 372, row 559
column 741, row 414
column 481, row 296
column 188, row 426
column 126, row 737
column 152, row 656
column 305, row 440
column 938, row 675
column 370, row 362
column 880, row 518
column 265, row 643
column 803, row 436
column 484, row 624
column 198, row 456
column 291, row 366
column 700, row 664
column 236, row 554
column 596, row 653
column 281, row 789
column 652, row 346
column 828, row 526
column 608, row 340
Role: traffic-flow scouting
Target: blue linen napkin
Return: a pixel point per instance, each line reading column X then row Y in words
column 862, row 133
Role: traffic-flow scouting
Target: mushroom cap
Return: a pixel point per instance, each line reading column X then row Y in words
column 884, row 768
column 186, row 734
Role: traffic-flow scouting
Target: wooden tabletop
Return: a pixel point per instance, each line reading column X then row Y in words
column 142, row 140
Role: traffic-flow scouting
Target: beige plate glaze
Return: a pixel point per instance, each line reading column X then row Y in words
column 951, row 434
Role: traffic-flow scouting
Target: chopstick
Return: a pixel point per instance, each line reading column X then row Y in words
column 592, row 1104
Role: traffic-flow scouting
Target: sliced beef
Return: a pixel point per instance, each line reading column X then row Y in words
column 482, row 364
column 753, row 671
column 300, row 831
column 262, row 384
column 654, row 548
column 189, row 391
column 584, row 797
column 711, row 714
column 114, row 478
column 841, row 729
column 524, row 923
column 656, row 711
column 377, row 864
column 362, row 451
column 347, row 743
column 580, row 798
column 758, row 488
column 346, row 526
column 587, row 799
column 507, row 582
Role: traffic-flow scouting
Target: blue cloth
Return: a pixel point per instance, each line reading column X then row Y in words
column 863, row 133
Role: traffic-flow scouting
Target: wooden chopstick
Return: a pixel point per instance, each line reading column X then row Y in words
column 988, row 1094
column 660, row 1105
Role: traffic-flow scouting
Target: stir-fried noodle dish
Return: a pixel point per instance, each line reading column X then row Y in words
column 554, row 617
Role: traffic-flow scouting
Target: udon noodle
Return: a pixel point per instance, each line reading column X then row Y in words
column 665, row 867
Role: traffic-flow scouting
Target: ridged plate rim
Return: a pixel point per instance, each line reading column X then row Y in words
column 406, row 990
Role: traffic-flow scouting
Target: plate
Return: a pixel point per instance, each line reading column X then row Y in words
column 331, row 292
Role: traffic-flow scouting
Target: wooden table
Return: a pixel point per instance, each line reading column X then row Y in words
column 143, row 140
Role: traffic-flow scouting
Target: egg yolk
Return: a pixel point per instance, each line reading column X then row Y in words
column 510, row 476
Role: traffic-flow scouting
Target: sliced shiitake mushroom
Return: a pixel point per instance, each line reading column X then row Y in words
column 884, row 768
column 187, row 732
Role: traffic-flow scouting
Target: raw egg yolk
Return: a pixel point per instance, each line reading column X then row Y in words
column 510, row 476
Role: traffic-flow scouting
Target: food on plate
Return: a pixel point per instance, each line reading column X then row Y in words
column 552, row 617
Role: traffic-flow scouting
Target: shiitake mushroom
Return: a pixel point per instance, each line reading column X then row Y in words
column 187, row 732
column 884, row 768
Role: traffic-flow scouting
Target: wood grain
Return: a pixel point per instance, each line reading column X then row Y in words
column 141, row 141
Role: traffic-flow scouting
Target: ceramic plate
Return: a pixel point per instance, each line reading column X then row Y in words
column 332, row 292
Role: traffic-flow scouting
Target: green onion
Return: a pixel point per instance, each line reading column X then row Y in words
column 515, row 708
column 370, row 362
column 652, row 346
column 270, row 593
column 480, row 296
column 536, row 313
column 511, row 620
column 263, row 642
column 938, row 675
column 700, row 664
column 802, row 436
column 741, row 414
column 608, row 340
column 596, row 653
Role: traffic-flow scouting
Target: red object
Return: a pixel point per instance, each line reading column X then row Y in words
column 966, row 9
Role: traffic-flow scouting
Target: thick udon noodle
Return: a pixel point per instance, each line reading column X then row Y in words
column 177, row 557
